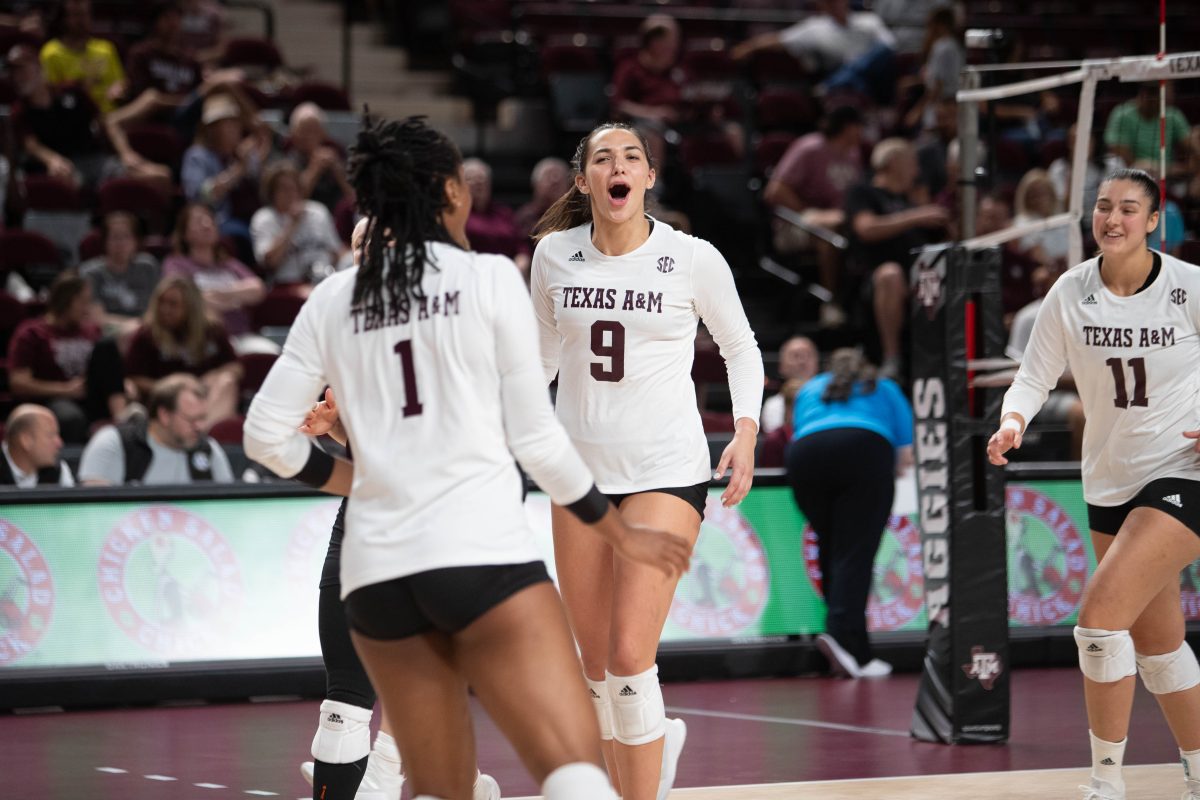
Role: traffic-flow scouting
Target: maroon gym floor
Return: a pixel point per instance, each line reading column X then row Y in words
column 739, row 732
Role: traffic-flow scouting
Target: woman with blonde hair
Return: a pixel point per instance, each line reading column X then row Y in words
column 178, row 336
column 1036, row 199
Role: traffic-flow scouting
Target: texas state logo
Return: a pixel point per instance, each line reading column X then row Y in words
column 26, row 594
column 170, row 581
column 724, row 592
column 1047, row 561
column 897, row 591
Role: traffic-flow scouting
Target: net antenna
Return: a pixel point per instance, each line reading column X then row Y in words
column 1088, row 73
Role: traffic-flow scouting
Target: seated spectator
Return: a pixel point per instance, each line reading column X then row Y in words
column 294, row 239
column 164, row 77
column 646, row 88
column 812, row 179
column 856, row 50
column 322, row 165
column 31, row 447
column 74, row 56
column 907, row 19
column 59, row 127
column 178, row 337
column 59, row 360
column 992, row 215
column 550, row 180
column 1098, row 165
column 1132, row 131
column 230, row 150
column 228, row 286
column 798, row 361
column 492, row 227
column 167, row 448
column 1035, row 200
column 123, row 278
column 943, row 59
column 203, row 27
column 885, row 230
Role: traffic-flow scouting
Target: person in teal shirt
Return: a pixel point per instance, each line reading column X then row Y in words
column 853, row 435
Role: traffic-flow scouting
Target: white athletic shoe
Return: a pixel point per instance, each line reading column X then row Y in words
column 875, row 668
column 672, row 748
column 376, row 785
column 486, row 788
column 1101, row 790
column 306, row 771
column 841, row 663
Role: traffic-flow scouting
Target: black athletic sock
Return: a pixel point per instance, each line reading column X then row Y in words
column 337, row 781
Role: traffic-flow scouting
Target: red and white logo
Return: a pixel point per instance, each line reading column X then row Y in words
column 308, row 544
column 898, row 590
column 985, row 666
column 726, row 589
column 26, row 594
column 170, row 580
column 1189, row 591
column 1046, row 575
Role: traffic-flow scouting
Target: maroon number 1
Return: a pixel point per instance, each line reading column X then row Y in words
column 1139, row 382
column 412, row 401
column 613, row 350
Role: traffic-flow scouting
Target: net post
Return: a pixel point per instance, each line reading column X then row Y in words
column 1079, row 160
column 968, row 154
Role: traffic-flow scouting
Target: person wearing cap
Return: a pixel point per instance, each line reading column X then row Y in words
column 31, row 450
column 230, row 149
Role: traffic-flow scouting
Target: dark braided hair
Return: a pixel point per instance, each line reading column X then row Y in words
column 848, row 367
column 398, row 170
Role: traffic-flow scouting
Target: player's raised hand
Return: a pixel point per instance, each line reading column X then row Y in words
column 322, row 417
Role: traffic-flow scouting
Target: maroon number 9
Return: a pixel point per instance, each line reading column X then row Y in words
column 613, row 349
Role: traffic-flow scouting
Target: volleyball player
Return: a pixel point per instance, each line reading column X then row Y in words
column 618, row 296
column 1127, row 324
column 357, row 770
column 431, row 351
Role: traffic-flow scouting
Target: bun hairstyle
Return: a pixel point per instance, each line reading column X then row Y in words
column 399, row 171
column 1143, row 179
column 849, row 367
column 575, row 208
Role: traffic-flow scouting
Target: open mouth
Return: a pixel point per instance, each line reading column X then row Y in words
column 618, row 193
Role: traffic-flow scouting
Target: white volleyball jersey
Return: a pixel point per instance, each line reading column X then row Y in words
column 433, row 402
column 1134, row 360
column 619, row 331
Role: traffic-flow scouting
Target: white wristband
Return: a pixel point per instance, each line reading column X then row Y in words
column 1011, row 423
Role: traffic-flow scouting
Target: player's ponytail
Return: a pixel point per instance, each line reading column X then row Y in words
column 399, row 172
column 848, row 367
column 575, row 208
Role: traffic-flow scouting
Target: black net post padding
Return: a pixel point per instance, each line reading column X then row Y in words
column 963, row 695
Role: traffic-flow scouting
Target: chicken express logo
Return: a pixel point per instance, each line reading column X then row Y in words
column 896, row 591
column 308, row 544
column 169, row 580
column 726, row 588
column 1046, row 574
column 26, row 594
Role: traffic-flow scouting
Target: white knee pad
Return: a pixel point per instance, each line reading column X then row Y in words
column 1105, row 656
column 637, row 707
column 426, row 797
column 598, row 691
column 578, row 781
column 1169, row 672
column 344, row 735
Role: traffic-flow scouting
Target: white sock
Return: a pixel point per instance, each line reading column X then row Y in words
column 1106, row 760
column 386, row 754
column 1191, row 765
column 578, row 781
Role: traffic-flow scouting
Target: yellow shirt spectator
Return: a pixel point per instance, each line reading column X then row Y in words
column 97, row 67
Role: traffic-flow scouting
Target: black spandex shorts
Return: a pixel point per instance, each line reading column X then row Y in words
column 695, row 496
column 445, row 600
column 1178, row 497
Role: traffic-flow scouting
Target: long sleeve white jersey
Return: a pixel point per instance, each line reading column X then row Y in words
column 433, row 402
column 1134, row 360
column 619, row 331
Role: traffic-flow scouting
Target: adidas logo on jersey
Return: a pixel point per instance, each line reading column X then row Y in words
column 628, row 692
column 1090, row 300
column 577, row 257
column 592, row 692
column 1174, row 500
column 334, row 719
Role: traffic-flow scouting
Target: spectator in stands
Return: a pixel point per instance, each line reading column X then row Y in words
column 550, row 180
column 167, row 448
column 59, row 360
column 1133, row 132
column 798, row 361
column 943, row 59
column 160, row 63
column 231, row 149
column 1036, row 200
column 992, row 214
column 24, row 16
column 31, row 447
column 646, row 88
column 228, row 286
column 907, row 19
column 203, row 27
column 856, row 50
column 885, row 228
column 74, row 56
column 492, row 226
column 60, row 129
column 1098, row 165
column 294, row 239
column 123, row 278
column 178, row 337
column 812, row 179
column 322, row 165
column 938, row 171
column 853, row 436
